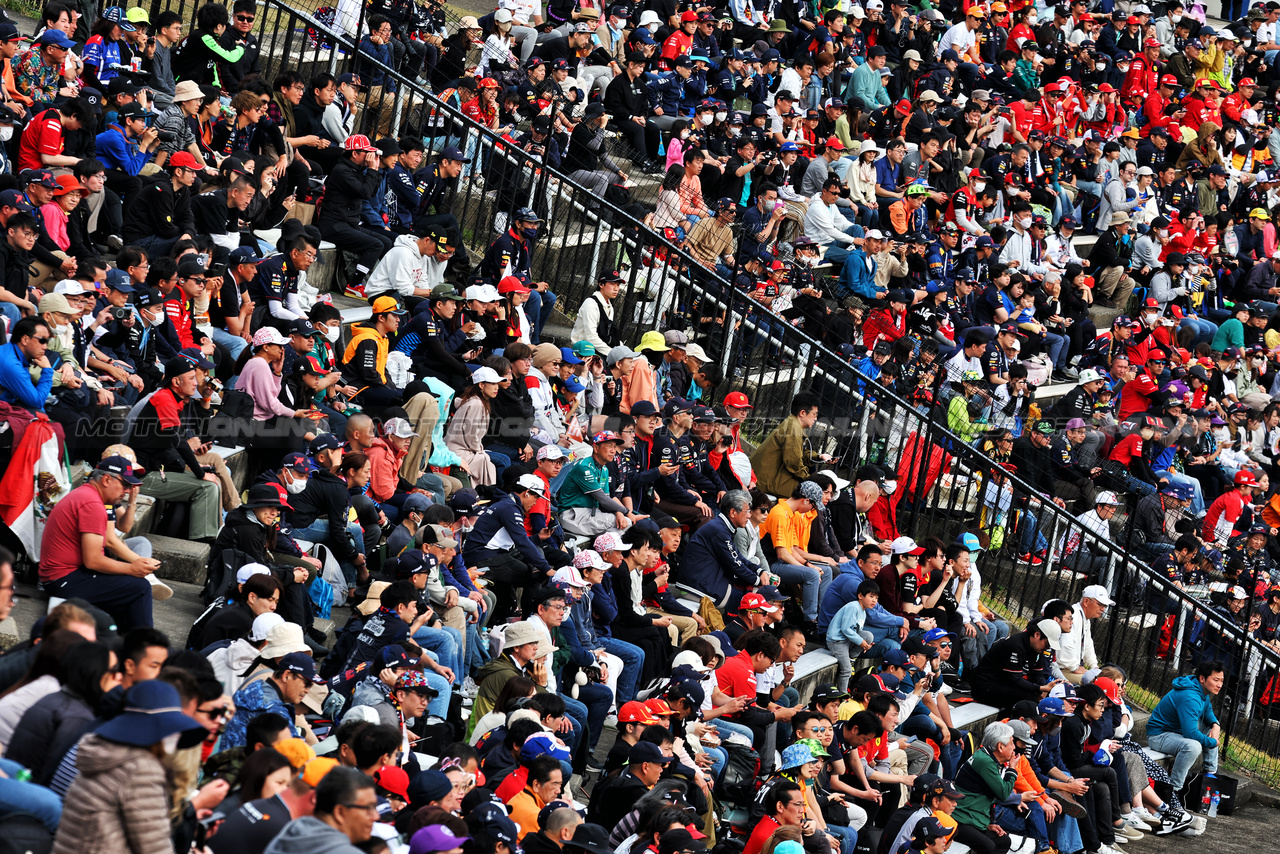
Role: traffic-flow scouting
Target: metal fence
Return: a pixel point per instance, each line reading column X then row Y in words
column 946, row 487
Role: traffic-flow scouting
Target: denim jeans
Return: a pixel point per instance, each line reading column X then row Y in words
column 847, row 835
column 439, row 705
column 837, row 252
column 11, row 311
column 318, row 532
column 1057, row 346
column 1185, row 752
column 1204, row 329
column 501, row 462
column 1197, row 506
column 590, row 709
column 1029, row 537
column 887, row 636
column 632, row 663
column 728, row 728
column 19, row 797
column 1029, row 824
column 538, row 309
column 812, row 581
column 719, row 758
column 234, row 343
column 446, row 643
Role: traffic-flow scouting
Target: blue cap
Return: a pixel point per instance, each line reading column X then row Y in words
column 985, row 242
column 57, row 38
column 244, row 255
column 324, row 442
column 788, row 146
column 569, row 357
column 645, row 751
column 936, row 634
column 415, row 503
column 197, row 358
column 641, row 36
column 1053, row 706
column 574, row 385
column 933, row 286
column 771, row 55
column 452, row 152
column 118, row 280
column 545, row 744
column 846, row 351
column 970, row 542
column 302, row 664
column 796, row 755
column 897, row 658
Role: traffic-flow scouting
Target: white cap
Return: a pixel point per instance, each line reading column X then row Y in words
column 840, row 482
column 485, row 375
column 858, row 13
column 502, row 16
column 1088, row 375
column 1015, row 346
column 399, row 428
column 875, row 6
column 873, row 233
column 690, row 658
column 552, row 452
column 1051, row 630
column 264, row 623
column 1237, row 592
column 69, row 288
column 1106, row 497
column 1097, row 593
column 483, row 293
column 569, row 575
column 249, row 570
column 905, row 546
column 532, row 482
column 268, row 335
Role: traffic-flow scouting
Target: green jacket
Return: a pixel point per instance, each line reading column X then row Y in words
column 491, row 678
column 983, row 783
column 781, row 461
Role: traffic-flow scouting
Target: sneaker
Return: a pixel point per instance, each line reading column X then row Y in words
column 469, row 688
column 500, row 222
column 1120, row 840
column 160, row 591
column 355, row 291
column 1128, row 832
column 1037, row 560
column 1173, row 824
column 611, row 721
column 1070, row 805
column 1026, row 557
column 1146, row 815
column 1138, row 824
column 114, row 243
column 1106, row 849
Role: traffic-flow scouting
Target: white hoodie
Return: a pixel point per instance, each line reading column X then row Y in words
column 230, row 663
column 403, row 269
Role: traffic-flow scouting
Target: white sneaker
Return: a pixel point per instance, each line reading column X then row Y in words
column 1120, row 840
column 1146, row 815
column 159, row 590
column 1136, row 822
column 1107, row 849
column 500, row 222
column 469, row 688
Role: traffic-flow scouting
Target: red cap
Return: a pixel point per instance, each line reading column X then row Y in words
column 1246, row 81
column 635, row 713
column 1151, row 303
column 834, row 143
column 489, row 83
column 1109, row 687
column 1156, row 355
column 688, row 17
column 756, row 602
column 1133, row 19
column 658, row 706
column 284, row 496
column 393, row 779
column 737, row 400
column 183, row 160
column 358, row 142
column 1168, row 80
column 776, row 264
column 1244, row 477
column 903, row 106
column 1106, row 87
column 511, row 285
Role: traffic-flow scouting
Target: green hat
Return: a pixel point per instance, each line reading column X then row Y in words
column 583, row 349
column 444, row 292
column 919, row 188
column 815, row 746
column 1046, row 427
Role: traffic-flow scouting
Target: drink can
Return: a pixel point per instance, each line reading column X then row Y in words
column 136, row 63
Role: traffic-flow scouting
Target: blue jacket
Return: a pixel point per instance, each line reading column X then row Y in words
column 666, row 90
column 1183, row 711
column 373, row 73
column 256, row 698
column 713, row 564
column 499, row 528
column 374, row 207
column 847, row 623
column 408, row 192
column 840, row 592
column 117, row 150
column 582, row 621
column 604, row 608
column 15, row 380
column 855, row 278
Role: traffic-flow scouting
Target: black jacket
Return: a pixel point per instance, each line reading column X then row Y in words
column 624, row 98
column 232, row 622
column 160, row 434
column 1035, row 465
column 15, row 269
column 325, row 497
column 211, row 214
column 158, row 210
column 345, row 190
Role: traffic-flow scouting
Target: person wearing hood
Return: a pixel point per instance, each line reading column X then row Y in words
column 345, row 810
column 414, row 266
column 278, row 691
column 231, row 661
column 121, row 790
column 1183, row 724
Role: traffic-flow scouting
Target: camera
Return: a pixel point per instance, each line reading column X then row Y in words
column 121, row 312
column 594, row 674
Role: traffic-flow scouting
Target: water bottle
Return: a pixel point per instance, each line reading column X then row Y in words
column 24, row 776
column 1213, row 804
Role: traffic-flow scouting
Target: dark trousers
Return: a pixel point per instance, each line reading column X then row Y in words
column 376, row 398
column 643, row 139
column 367, row 244
column 1101, row 802
column 506, row 572
column 656, row 645
column 126, row 598
column 983, row 841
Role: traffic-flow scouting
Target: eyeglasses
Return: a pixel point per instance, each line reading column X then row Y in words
column 216, row 712
column 40, row 340
column 366, row 807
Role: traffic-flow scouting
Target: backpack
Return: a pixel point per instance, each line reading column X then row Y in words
column 737, row 782
column 234, row 419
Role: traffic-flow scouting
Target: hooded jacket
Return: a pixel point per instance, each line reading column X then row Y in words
column 310, row 835
column 231, row 661
column 1183, row 711
column 121, row 802
column 254, row 699
column 401, row 270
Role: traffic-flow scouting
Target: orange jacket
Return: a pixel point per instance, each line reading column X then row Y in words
column 385, row 469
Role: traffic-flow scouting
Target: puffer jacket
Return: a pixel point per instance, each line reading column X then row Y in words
column 120, row 802
column 254, row 699
column 47, row 730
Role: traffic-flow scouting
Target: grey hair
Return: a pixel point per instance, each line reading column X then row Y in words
column 996, row 734
column 735, row 499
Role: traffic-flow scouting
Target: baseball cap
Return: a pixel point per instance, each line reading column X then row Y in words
column 1098, row 593
column 301, row 664
column 644, row 751
column 756, row 602
column 1052, row 631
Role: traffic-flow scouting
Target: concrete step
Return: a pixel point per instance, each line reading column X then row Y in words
column 180, row 560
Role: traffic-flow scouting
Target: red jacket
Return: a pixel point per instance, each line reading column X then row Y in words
column 881, row 325
column 179, row 311
column 1140, row 81
column 1136, row 396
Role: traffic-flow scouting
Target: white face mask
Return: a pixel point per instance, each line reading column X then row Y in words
column 170, row 743
column 653, row 28
column 1025, row 222
column 1123, row 68
column 979, row 186
column 1162, row 232
column 1194, row 270
column 1177, row 19
column 158, row 320
column 890, row 487
column 61, row 330
column 705, row 119
column 331, row 333
column 1150, row 318
column 6, row 133
column 684, row 134
column 296, row 485
column 721, row 116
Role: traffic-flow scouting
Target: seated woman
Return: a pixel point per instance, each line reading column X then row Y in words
column 470, row 424
column 275, row 425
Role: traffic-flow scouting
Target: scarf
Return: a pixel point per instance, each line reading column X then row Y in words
column 286, row 110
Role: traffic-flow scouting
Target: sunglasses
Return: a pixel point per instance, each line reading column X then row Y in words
column 247, row 19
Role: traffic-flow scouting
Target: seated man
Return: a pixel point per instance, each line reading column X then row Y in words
column 1013, row 669
column 364, row 362
column 713, row 565
column 782, row 460
column 165, row 438
column 785, row 534
column 160, row 214
column 320, row 513
column 587, row 507
column 353, row 180
column 73, row 561
column 501, row 547
column 1184, row 726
